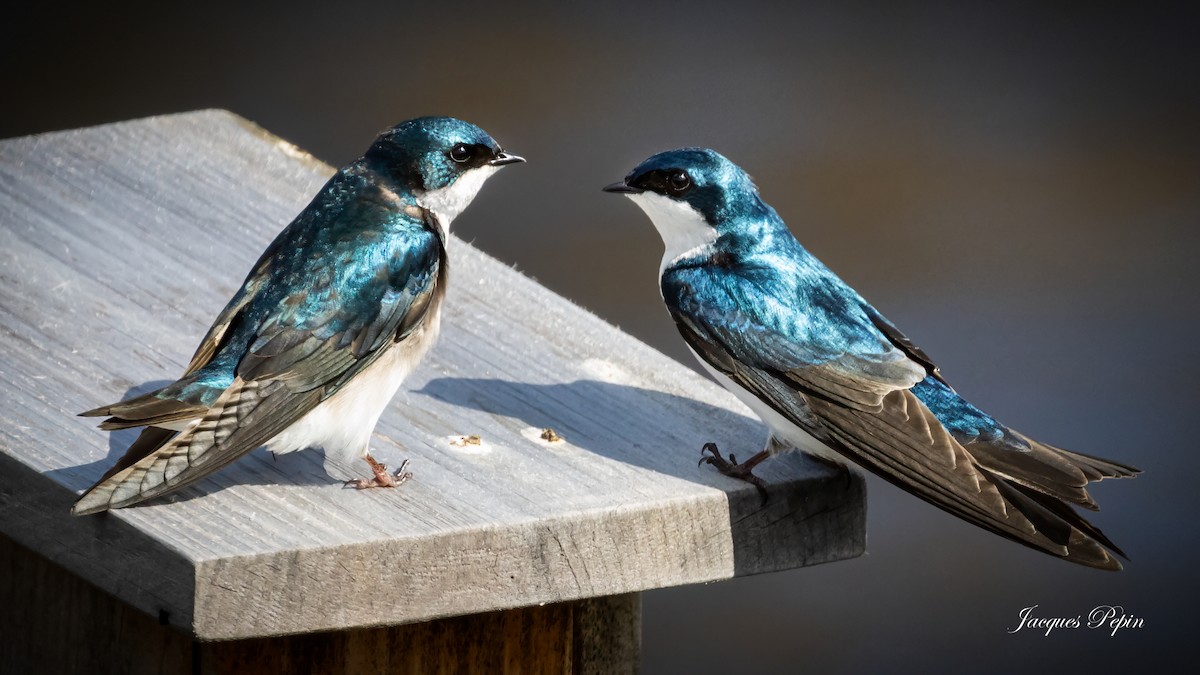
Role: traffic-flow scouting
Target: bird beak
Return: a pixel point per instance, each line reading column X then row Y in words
column 623, row 188
column 505, row 158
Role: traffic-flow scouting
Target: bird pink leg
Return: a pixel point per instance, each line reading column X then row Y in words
column 381, row 477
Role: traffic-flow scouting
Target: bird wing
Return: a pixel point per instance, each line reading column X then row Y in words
column 831, row 348
column 842, row 372
column 291, row 351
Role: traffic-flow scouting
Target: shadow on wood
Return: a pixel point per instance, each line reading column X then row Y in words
column 807, row 525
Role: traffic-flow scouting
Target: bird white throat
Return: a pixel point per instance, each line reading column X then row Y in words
column 448, row 202
column 683, row 229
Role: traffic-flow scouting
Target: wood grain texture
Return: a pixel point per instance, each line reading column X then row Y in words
column 540, row 640
column 120, row 243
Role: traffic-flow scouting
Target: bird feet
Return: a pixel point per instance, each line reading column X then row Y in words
column 381, row 477
column 709, row 454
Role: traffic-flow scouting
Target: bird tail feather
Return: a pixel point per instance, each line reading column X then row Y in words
column 161, row 460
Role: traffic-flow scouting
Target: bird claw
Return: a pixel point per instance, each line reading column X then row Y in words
column 381, row 477
column 732, row 469
column 400, row 475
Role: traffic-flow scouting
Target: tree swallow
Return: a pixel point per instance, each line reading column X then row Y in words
column 336, row 312
column 831, row 376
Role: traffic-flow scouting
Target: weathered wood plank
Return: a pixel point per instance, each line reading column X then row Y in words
column 118, row 244
column 66, row 625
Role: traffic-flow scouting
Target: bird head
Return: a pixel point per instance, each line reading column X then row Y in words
column 443, row 161
column 692, row 195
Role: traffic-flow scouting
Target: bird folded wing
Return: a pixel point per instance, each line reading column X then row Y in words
column 860, row 404
column 289, row 369
column 725, row 318
column 1003, row 451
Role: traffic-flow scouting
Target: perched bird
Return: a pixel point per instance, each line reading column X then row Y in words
column 833, row 377
column 336, row 312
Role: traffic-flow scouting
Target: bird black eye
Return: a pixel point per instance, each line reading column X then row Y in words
column 460, row 153
column 679, row 182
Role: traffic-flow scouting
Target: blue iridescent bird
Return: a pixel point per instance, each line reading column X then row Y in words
column 336, row 312
column 833, row 377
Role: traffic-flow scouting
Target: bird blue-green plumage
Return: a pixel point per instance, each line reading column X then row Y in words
column 338, row 309
column 830, row 375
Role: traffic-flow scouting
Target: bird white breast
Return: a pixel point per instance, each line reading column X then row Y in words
column 683, row 229
column 343, row 424
column 448, row 202
column 781, row 427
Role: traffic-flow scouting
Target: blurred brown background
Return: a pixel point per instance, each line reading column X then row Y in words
column 1017, row 187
